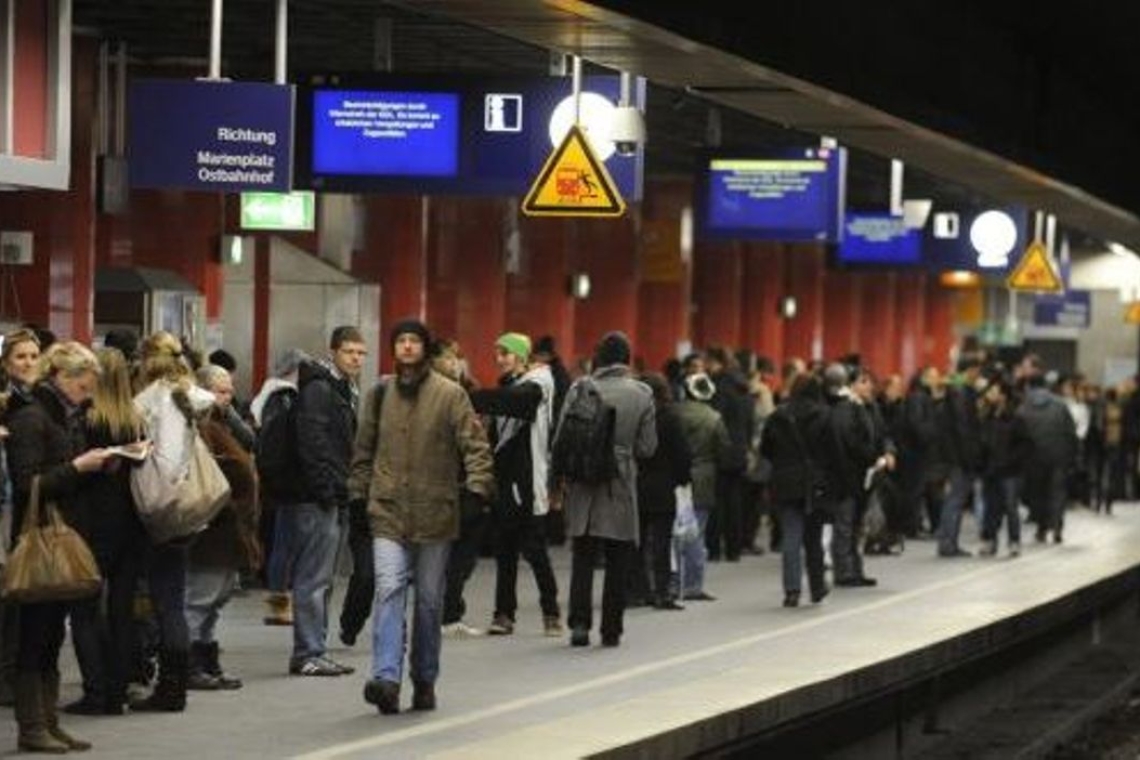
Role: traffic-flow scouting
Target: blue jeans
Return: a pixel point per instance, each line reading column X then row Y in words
column 166, row 577
column 208, row 589
column 394, row 563
column 801, row 533
column 315, row 534
column 1002, row 503
column 280, row 557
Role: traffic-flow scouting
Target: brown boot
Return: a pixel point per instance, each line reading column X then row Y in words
column 51, row 714
column 280, row 609
column 34, row 734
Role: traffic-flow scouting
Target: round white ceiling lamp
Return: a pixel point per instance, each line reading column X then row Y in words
column 597, row 115
column 993, row 235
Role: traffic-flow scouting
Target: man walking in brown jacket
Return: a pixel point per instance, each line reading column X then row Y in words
column 426, row 433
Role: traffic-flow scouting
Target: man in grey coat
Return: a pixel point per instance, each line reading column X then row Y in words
column 602, row 517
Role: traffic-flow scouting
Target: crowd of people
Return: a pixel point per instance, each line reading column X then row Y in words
column 650, row 474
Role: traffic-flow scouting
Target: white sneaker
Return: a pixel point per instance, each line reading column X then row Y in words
column 460, row 630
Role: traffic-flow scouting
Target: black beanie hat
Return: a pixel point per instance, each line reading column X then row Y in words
column 413, row 326
column 612, row 349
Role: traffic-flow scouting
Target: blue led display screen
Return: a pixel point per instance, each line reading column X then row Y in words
column 879, row 239
column 375, row 132
column 792, row 195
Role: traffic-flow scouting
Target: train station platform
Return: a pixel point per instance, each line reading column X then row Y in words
column 681, row 683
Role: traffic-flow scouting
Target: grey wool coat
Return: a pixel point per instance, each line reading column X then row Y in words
column 610, row 510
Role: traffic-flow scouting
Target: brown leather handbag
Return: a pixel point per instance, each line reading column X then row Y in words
column 50, row 561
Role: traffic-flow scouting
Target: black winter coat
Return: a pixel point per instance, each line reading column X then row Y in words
column 1005, row 445
column 1050, row 428
column 799, row 442
column 734, row 403
column 670, row 466
column 44, row 436
column 855, row 446
column 111, row 524
column 326, row 430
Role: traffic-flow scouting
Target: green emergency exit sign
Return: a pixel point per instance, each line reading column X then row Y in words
column 278, row 211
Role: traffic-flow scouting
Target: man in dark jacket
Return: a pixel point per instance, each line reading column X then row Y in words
column 1053, row 450
column 960, row 436
column 326, row 428
column 854, row 441
column 658, row 477
column 725, row 528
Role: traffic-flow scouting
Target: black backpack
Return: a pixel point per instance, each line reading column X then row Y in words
column 276, row 454
column 584, row 444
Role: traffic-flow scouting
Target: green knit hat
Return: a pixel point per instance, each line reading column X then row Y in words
column 515, row 343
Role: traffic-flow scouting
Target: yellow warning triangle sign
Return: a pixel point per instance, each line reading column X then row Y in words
column 1132, row 313
column 573, row 182
column 1036, row 272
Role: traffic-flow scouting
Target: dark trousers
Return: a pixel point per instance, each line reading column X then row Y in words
column 753, row 507
column 462, row 559
column 9, row 643
column 1001, row 498
column 656, row 545
column 41, row 637
column 103, row 630
column 1107, row 466
column 166, row 576
column 802, row 541
column 526, row 535
column 357, row 606
column 618, row 555
column 725, row 527
column 845, row 557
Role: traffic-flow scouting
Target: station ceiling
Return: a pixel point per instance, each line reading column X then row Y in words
column 895, row 88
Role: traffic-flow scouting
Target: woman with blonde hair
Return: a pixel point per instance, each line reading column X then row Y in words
column 103, row 640
column 19, row 369
column 169, row 403
column 49, row 441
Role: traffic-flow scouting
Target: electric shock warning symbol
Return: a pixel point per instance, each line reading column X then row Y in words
column 573, row 183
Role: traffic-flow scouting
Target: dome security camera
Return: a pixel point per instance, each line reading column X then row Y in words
column 627, row 130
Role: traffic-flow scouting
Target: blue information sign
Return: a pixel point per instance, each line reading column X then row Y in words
column 787, row 194
column 221, row 136
column 1073, row 309
column 448, row 134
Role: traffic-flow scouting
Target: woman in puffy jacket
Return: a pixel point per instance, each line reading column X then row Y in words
column 799, row 443
column 48, row 441
column 19, row 370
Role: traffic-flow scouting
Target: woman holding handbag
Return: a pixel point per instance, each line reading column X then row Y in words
column 48, row 441
column 19, row 362
column 169, row 402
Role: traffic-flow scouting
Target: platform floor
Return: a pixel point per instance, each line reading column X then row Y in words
column 530, row 696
